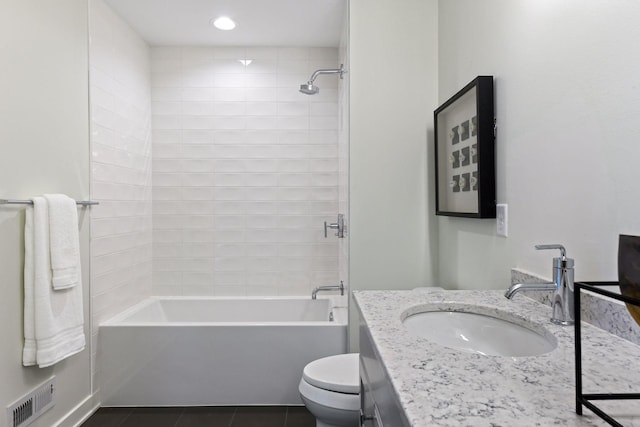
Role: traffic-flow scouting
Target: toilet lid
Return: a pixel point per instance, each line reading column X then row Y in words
column 339, row 373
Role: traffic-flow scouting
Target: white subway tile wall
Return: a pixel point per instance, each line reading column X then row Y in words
column 343, row 154
column 121, row 247
column 245, row 170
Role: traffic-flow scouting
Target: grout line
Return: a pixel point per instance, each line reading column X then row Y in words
column 235, row 409
column 127, row 417
column 286, row 416
column 179, row 417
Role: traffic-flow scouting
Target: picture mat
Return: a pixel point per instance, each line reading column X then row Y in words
column 463, row 109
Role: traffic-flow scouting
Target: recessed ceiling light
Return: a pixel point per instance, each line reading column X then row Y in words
column 224, row 23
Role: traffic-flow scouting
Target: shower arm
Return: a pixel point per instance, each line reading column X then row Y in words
column 340, row 71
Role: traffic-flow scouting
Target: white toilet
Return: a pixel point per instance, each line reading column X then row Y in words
column 330, row 389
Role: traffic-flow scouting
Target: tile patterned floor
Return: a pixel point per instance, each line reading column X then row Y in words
column 214, row 416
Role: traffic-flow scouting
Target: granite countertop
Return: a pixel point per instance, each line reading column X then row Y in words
column 438, row 386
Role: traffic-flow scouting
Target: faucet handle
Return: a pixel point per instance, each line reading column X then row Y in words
column 336, row 226
column 563, row 251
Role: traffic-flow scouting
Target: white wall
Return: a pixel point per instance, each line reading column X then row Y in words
column 120, row 166
column 44, row 148
column 393, row 49
column 245, row 171
column 567, row 102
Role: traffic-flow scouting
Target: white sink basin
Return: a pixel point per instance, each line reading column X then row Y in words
column 480, row 333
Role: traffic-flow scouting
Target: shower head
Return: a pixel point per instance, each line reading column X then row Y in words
column 309, row 89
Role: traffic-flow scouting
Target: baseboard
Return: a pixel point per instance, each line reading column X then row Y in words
column 81, row 412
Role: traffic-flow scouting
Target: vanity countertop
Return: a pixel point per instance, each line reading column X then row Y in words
column 438, row 386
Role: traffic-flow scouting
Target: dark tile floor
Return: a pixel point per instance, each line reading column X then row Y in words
column 213, row 416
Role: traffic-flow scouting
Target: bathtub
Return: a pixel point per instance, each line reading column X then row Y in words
column 181, row 351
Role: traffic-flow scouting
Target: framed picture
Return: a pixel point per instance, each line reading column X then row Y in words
column 465, row 153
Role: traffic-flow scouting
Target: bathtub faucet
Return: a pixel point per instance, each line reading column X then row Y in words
column 562, row 287
column 339, row 287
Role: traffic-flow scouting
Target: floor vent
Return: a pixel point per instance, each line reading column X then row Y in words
column 24, row 411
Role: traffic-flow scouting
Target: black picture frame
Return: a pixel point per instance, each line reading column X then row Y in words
column 465, row 152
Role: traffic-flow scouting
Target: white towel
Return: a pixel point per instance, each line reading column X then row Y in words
column 64, row 241
column 53, row 320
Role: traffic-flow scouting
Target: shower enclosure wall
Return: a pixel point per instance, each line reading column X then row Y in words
column 245, row 171
column 214, row 174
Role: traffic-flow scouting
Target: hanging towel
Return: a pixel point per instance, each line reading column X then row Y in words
column 29, row 350
column 64, row 241
column 53, row 319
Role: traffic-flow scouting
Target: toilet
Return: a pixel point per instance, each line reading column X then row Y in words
column 330, row 389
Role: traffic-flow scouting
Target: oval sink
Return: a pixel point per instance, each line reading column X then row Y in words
column 479, row 333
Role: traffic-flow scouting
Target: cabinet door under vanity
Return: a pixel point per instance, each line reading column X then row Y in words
column 379, row 406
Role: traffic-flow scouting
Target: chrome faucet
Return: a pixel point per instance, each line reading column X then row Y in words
column 339, row 287
column 562, row 287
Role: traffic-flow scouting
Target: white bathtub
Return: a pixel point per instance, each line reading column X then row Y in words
column 216, row 351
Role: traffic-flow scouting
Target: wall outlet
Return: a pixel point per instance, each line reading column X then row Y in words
column 502, row 220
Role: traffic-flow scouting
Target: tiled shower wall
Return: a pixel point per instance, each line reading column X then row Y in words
column 245, row 171
column 120, row 165
column 343, row 154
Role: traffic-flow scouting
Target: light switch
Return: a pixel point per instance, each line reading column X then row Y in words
column 502, row 220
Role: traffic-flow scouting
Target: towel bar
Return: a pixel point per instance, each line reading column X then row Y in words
column 30, row 202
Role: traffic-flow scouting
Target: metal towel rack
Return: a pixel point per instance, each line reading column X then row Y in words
column 30, row 202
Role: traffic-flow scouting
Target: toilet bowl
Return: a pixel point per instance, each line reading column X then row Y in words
column 330, row 389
